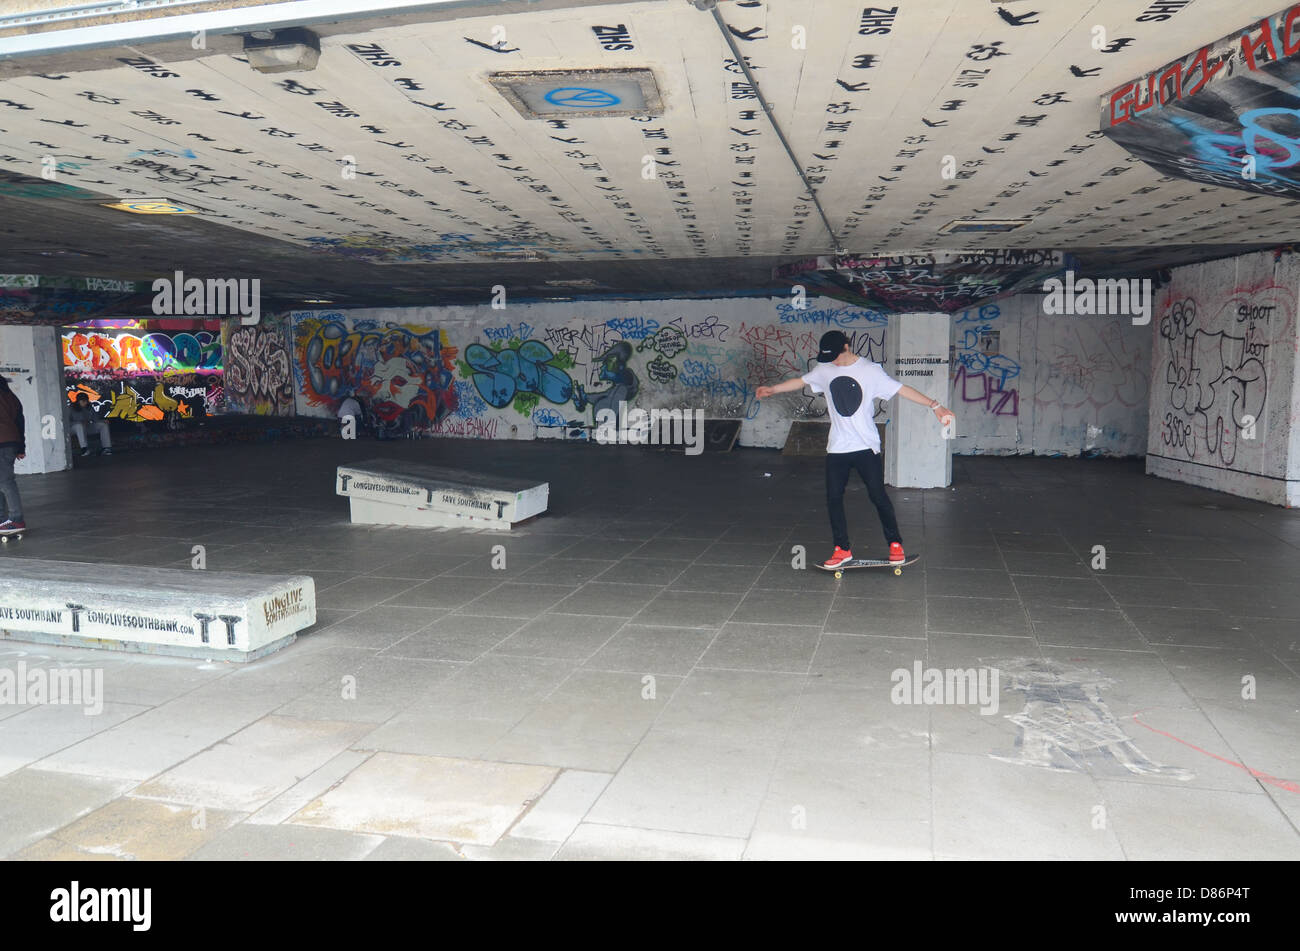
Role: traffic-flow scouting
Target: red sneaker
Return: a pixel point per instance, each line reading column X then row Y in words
column 896, row 553
column 840, row 556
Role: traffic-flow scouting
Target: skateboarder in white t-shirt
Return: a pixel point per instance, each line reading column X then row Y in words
column 852, row 385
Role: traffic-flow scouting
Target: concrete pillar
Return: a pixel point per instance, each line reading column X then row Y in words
column 31, row 358
column 1292, row 490
column 916, row 454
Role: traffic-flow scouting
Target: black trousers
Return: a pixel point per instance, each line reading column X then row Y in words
column 872, row 469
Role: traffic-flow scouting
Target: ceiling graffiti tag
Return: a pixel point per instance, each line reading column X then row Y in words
column 1224, row 114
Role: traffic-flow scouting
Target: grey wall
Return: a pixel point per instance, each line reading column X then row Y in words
column 1049, row 385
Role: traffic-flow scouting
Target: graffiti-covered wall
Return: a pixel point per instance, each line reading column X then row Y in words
column 1028, row 382
column 144, row 377
column 259, row 367
column 1224, row 394
column 403, row 372
column 1022, row 382
column 539, row 370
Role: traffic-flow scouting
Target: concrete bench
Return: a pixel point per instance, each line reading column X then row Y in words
column 222, row 615
column 395, row 492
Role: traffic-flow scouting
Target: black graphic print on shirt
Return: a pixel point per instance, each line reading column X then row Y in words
column 846, row 395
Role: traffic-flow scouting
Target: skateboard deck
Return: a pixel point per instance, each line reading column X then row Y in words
column 18, row 534
column 898, row 566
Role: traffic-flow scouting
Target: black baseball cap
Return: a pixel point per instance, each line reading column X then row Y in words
column 831, row 346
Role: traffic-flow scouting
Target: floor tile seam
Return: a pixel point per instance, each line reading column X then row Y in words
column 1273, row 802
column 569, row 676
column 694, row 664
column 1230, row 748
column 645, row 828
column 181, row 762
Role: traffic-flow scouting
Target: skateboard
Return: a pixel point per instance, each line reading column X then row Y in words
column 5, row 536
column 898, row 566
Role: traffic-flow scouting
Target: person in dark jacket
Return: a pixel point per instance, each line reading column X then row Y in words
column 13, row 446
column 83, row 417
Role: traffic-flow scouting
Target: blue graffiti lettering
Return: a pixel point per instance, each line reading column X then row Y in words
column 633, row 328
column 522, row 332
column 545, row 416
column 987, row 312
column 846, row 316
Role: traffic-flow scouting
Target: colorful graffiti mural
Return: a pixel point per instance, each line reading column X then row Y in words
column 1224, row 115
column 112, row 355
column 402, row 375
column 550, row 369
column 520, row 374
column 150, row 399
column 259, row 370
column 157, row 377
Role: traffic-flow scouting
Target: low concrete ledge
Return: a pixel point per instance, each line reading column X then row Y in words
column 395, row 492
column 222, row 615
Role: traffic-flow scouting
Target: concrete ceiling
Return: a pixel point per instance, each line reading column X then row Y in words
column 419, row 183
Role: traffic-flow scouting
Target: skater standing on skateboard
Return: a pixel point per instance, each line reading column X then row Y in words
column 13, row 446
column 852, row 385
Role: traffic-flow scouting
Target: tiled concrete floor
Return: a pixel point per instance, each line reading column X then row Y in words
column 649, row 677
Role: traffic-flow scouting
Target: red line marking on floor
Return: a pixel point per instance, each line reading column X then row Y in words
column 1265, row 777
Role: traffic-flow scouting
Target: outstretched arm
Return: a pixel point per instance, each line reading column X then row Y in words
column 941, row 412
column 787, row 386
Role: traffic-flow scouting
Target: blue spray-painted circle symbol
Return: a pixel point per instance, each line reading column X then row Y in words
column 578, row 96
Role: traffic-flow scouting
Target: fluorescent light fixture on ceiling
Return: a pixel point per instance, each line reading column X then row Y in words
column 983, row 225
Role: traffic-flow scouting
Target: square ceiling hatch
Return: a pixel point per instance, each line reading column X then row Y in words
column 580, row 93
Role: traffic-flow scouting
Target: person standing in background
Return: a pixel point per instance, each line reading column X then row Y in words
column 13, row 446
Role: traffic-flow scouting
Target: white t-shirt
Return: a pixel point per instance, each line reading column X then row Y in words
column 851, row 394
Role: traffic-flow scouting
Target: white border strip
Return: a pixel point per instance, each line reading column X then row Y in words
column 241, row 19
column 83, row 11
